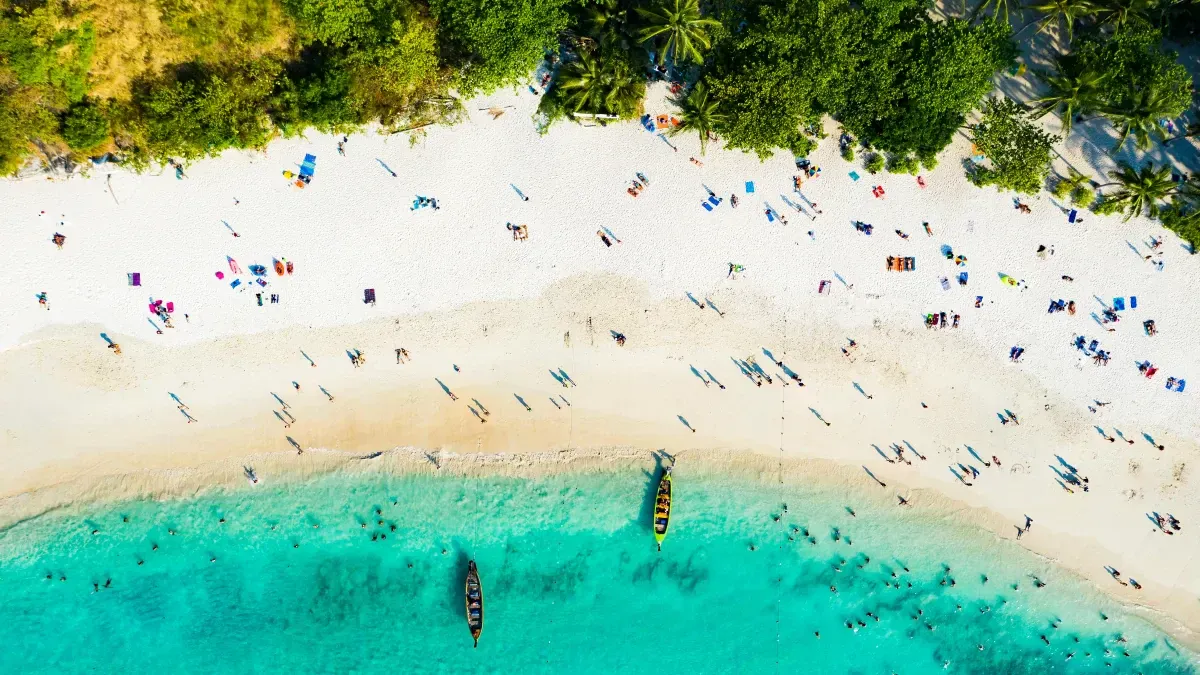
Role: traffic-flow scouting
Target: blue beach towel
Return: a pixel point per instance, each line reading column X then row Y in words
column 309, row 165
column 706, row 205
column 1133, row 302
column 770, row 217
column 854, row 176
column 1179, row 385
column 235, row 283
column 749, row 187
column 714, row 201
column 1072, row 215
column 1119, row 304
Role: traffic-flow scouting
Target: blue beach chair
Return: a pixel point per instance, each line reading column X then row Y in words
column 706, row 205
column 1119, row 304
column 714, row 201
column 1133, row 302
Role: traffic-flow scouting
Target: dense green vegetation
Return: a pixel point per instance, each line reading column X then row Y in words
column 158, row 79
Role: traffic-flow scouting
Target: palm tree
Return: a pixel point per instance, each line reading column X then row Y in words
column 1065, row 12
column 1140, row 117
column 698, row 113
column 1076, row 93
column 680, row 21
column 1119, row 12
column 999, row 9
column 1141, row 190
column 605, row 22
column 600, row 84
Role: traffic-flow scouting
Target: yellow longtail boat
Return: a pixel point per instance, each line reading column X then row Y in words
column 662, row 507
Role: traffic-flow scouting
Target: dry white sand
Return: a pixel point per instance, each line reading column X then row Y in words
column 454, row 288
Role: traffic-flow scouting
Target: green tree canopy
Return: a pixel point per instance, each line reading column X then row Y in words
column 198, row 110
column 1140, row 190
column 494, row 43
column 1017, row 150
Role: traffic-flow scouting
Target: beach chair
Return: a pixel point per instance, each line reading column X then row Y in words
column 962, row 278
column 770, row 216
column 706, row 205
column 1072, row 216
column 1119, row 304
column 307, row 168
column 369, row 296
column 1179, row 385
column 235, row 283
column 714, row 201
column 749, row 187
column 135, row 278
column 1133, row 302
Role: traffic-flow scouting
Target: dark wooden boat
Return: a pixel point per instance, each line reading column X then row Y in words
column 474, row 599
column 662, row 507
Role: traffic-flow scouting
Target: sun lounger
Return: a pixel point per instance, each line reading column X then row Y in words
column 1179, row 385
column 1133, row 302
column 770, row 216
column 261, row 282
column 235, row 283
column 749, row 187
column 945, row 284
column 706, row 205
column 714, row 201
column 1072, row 215
column 962, row 278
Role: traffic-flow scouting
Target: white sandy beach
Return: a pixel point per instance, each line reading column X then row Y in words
column 453, row 288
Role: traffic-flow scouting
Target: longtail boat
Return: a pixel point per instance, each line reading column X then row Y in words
column 662, row 507
column 474, row 598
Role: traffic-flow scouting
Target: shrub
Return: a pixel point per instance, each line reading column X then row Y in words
column 903, row 164
column 874, row 163
column 85, row 126
column 848, row 153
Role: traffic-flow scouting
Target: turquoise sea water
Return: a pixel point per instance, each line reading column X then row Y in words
column 571, row 577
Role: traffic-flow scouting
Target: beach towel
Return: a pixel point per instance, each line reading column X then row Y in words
column 1118, row 304
column 1179, row 385
column 945, row 284
column 170, row 307
column 220, row 274
column 1072, row 215
column 135, row 278
column 662, row 121
column 1133, row 302
column 714, row 201
column 369, row 296
column 235, row 283
column 770, row 216
column 706, row 205
column 308, row 167
column 749, row 187
column 258, row 270
column 854, row 176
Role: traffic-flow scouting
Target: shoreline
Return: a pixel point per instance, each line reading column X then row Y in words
column 822, row 475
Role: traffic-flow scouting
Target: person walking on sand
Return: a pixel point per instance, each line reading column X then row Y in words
column 326, row 392
column 296, row 386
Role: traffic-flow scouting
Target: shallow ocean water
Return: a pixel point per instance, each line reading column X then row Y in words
column 572, row 583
